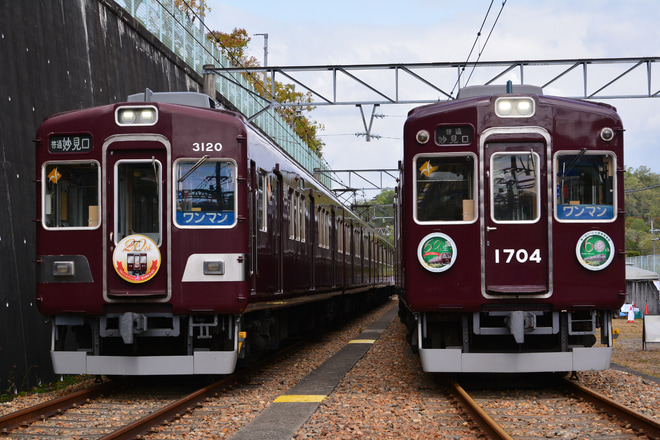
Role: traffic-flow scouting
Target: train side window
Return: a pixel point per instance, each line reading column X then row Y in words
column 297, row 216
column 293, row 214
column 445, row 188
column 302, row 212
column 262, row 201
column 70, row 197
column 515, row 187
column 205, row 193
column 585, row 186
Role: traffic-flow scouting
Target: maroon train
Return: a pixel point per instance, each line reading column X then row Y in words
column 511, row 233
column 174, row 238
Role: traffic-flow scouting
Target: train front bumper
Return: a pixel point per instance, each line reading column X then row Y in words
column 202, row 362
column 454, row 360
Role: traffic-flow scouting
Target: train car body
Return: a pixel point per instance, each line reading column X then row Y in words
column 174, row 238
column 511, row 232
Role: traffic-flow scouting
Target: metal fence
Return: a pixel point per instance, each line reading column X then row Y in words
column 646, row 262
column 172, row 27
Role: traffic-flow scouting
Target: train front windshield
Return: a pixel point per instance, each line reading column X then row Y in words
column 71, row 194
column 445, row 188
column 205, row 191
column 585, row 186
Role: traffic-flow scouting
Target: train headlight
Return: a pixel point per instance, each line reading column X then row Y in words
column 524, row 107
column 63, row 269
column 503, row 107
column 521, row 107
column 136, row 115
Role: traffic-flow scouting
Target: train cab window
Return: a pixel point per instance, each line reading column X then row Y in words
column 585, row 186
column 137, row 192
column 205, row 193
column 445, row 188
column 70, row 195
column 515, row 187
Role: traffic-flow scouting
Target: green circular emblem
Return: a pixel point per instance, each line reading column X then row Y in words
column 595, row 250
column 436, row 252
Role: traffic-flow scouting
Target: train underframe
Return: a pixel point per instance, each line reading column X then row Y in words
column 511, row 341
column 152, row 343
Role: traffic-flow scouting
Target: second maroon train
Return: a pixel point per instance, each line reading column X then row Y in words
column 510, row 239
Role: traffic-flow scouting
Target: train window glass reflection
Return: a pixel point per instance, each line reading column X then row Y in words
column 205, row 193
column 585, row 186
column 515, row 186
column 71, row 195
column 137, row 194
column 445, row 188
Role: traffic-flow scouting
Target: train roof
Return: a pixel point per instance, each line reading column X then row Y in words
column 194, row 99
column 474, row 91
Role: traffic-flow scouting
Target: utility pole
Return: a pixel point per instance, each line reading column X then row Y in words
column 265, row 56
column 653, row 231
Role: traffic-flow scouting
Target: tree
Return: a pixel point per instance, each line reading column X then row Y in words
column 234, row 46
column 193, row 8
column 379, row 212
column 642, row 207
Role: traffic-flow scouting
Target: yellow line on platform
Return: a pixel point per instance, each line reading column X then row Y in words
column 362, row 341
column 300, row 398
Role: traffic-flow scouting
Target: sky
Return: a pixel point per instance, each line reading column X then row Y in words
column 341, row 32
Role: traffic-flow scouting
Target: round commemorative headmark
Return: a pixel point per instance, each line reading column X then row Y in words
column 436, row 252
column 595, row 250
column 136, row 258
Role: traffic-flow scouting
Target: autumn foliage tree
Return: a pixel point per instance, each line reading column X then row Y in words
column 234, row 45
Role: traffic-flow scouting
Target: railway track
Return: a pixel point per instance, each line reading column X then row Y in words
column 110, row 411
column 513, row 410
column 119, row 409
column 565, row 409
column 124, row 410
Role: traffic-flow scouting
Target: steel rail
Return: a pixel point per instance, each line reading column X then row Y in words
column 188, row 403
column 169, row 412
column 491, row 428
column 52, row 407
column 648, row 425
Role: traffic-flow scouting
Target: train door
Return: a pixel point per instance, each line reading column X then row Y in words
column 313, row 234
column 136, row 226
column 255, row 220
column 516, row 227
column 278, row 229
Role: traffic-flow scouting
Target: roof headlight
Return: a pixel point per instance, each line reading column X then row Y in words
column 127, row 116
column 524, row 107
column 521, row 107
column 503, row 107
column 148, row 115
column 136, row 115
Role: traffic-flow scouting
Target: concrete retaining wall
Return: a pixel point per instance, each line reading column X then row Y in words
column 56, row 55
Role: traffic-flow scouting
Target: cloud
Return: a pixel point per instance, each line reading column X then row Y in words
column 343, row 32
